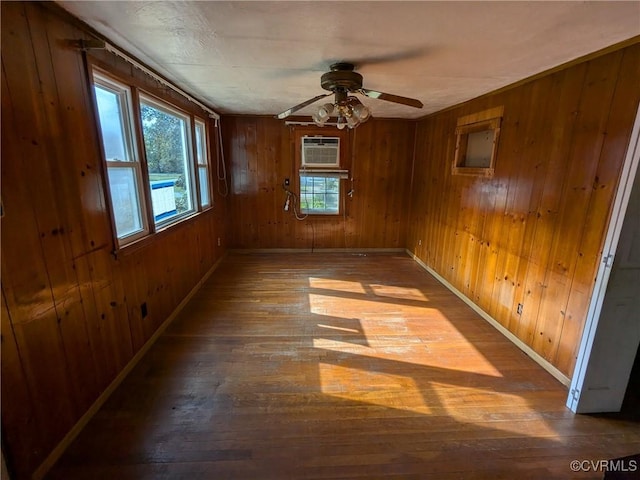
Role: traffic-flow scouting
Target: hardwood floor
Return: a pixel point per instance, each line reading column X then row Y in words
column 336, row 366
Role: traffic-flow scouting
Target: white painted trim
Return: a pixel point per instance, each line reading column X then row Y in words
column 317, row 250
column 557, row 374
column 627, row 177
column 57, row 452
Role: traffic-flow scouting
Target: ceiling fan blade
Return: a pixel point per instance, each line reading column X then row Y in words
column 412, row 102
column 300, row 106
column 399, row 56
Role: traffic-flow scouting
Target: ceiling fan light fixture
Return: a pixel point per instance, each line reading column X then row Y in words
column 361, row 112
column 317, row 120
column 341, row 81
column 341, row 123
column 325, row 111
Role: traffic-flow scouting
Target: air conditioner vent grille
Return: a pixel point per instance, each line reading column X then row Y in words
column 320, row 151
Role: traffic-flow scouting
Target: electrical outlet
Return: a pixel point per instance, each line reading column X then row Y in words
column 519, row 309
column 286, row 182
column 219, row 241
column 419, row 242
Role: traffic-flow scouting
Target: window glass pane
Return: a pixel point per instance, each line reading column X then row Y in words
column 479, row 149
column 113, row 123
column 200, row 143
column 203, row 173
column 124, row 200
column 165, row 140
column 203, row 169
column 319, row 194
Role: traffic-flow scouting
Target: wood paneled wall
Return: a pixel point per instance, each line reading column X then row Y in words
column 71, row 312
column 261, row 155
column 533, row 233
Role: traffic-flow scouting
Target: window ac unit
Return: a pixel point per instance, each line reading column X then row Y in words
column 320, row 152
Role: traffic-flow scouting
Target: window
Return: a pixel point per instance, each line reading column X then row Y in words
column 153, row 177
column 166, row 142
column 477, row 142
column 202, row 159
column 319, row 193
column 320, row 159
column 113, row 101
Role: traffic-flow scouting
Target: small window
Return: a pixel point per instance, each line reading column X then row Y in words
column 166, row 134
column 113, row 101
column 320, row 193
column 202, row 159
column 477, row 142
column 321, row 161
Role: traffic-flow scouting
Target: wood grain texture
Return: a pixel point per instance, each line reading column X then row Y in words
column 532, row 234
column 71, row 312
column 333, row 366
column 261, row 153
column 71, row 316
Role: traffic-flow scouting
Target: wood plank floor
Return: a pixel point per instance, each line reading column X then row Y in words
column 336, row 366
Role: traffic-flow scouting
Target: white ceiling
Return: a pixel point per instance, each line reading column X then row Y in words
column 264, row 57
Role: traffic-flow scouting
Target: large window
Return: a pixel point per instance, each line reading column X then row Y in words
column 166, row 146
column 153, row 181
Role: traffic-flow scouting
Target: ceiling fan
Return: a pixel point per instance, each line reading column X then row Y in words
column 341, row 81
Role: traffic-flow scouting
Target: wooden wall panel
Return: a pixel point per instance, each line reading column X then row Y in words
column 71, row 311
column 611, row 156
column 533, row 233
column 579, row 180
column 261, row 155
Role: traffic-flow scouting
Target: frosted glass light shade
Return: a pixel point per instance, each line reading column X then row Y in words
column 318, row 120
column 361, row 112
column 325, row 111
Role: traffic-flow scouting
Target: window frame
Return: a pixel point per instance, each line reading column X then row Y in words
column 341, row 170
column 165, row 107
column 137, row 88
column 109, row 83
column 325, row 176
column 487, row 120
column 207, row 162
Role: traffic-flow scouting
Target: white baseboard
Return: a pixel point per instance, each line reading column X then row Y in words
column 57, row 452
column 536, row 357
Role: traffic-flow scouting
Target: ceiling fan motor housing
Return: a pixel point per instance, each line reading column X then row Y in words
column 341, row 77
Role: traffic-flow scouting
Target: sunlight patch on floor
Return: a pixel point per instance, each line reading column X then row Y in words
column 460, row 404
column 344, row 345
column 381, row 389
column 340, row 329
column 338, row 285
column 323, row 304
column 400, row 293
